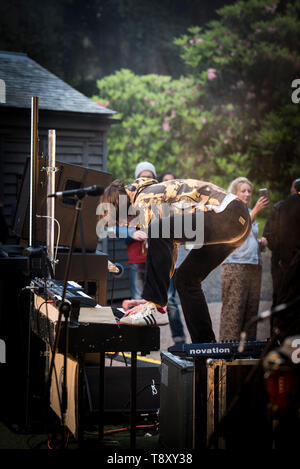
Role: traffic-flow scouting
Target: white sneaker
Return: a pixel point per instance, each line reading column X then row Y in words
column 148, row 315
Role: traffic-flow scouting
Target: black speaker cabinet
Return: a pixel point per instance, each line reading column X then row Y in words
column 67, row 177
column 14, row 325
column 117, row 388
column 89, row 269
column 176, row 409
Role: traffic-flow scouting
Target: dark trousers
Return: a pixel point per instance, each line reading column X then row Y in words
column 223, row 233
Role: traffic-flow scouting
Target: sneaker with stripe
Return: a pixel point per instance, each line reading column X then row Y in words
column 147, row 315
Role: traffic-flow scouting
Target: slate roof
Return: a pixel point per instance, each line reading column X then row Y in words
column 25, row 78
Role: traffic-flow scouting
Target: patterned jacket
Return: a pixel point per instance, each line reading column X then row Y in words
column 149, row 196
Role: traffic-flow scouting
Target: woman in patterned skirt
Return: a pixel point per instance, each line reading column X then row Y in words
column 241, row 273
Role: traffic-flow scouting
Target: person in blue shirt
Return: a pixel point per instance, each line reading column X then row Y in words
column 242, row 271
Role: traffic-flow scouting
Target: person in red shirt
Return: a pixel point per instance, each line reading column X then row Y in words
column 137, row 242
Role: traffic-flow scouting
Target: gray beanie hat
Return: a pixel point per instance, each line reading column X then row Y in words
column 144, row 166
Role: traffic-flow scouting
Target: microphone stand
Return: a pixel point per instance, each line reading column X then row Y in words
column 273, row 311
column 64, row 311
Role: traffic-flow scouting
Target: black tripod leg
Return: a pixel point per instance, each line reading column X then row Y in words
column 200, row 403
column 27, row 405
column 133, row 400
column 101, row 395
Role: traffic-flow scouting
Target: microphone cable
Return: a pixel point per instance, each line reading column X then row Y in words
column 113, row 279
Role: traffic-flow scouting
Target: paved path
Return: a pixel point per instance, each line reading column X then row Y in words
column 212, row 290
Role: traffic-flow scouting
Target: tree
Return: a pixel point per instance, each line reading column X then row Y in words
column 245, row 64
column 232, row 115
column 159, row 121
column 82, row 40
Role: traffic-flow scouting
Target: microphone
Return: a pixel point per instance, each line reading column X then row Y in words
column 116, row 269
column 80, row 193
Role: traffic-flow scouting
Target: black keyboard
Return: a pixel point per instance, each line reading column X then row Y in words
column 228, row 350
column 53, row 289
column 77, row 296
column 94, row 337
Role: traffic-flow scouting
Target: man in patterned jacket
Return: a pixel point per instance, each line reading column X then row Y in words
column 175, row 212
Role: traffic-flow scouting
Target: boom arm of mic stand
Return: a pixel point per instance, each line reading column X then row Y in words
column 265, row 315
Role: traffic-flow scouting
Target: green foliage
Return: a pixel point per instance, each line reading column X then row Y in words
column 231, row 116
column 247, row 60
column 160, row 120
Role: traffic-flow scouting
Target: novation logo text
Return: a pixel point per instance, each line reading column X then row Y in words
column 210, row 351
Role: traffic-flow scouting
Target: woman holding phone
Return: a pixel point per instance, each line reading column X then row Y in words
column 242, row 270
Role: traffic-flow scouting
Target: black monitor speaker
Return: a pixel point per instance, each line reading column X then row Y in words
column 67, row 177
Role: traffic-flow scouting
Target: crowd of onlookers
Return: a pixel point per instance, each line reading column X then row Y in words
column 241, row 271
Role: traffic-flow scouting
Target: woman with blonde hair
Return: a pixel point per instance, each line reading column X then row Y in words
column 242, row 271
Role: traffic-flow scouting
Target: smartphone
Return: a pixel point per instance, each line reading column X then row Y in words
column 264, row 193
